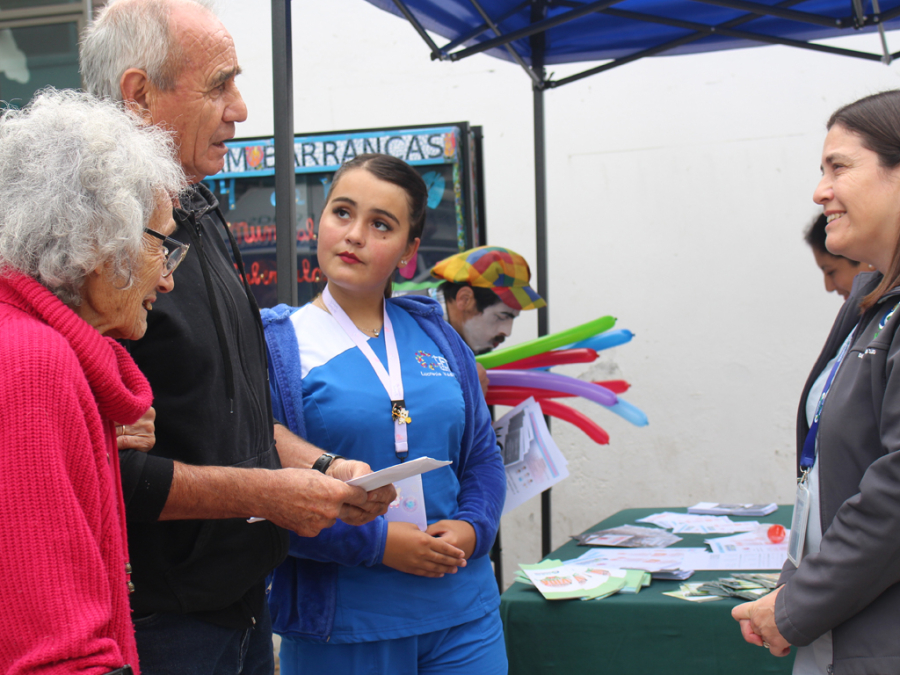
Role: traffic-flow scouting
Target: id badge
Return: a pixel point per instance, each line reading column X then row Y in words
column 798, row 523
column 409, row 506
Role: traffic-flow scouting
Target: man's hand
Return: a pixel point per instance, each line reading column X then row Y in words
column 377, row 501
column 459, row 533
column 758, row 626
column 482, row 378
column 301, row 500
column 410, row 550
column 138, row 436
column 307, row 501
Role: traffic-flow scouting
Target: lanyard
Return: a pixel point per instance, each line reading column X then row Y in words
column 390, row 378
column 808, row 456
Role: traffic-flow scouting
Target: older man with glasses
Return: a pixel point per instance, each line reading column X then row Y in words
column 199, row 566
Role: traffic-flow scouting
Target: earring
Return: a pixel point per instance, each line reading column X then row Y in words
column 403, row 263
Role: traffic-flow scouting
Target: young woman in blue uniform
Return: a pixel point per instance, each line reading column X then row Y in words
column 383, row 380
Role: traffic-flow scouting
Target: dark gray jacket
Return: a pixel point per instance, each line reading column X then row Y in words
column 851, row 585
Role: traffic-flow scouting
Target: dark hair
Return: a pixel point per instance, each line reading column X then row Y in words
column 484, row 297
column 876, row 120
column 401, row 174
column 815, row 236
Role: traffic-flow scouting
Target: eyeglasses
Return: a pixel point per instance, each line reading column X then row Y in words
column 174, row 250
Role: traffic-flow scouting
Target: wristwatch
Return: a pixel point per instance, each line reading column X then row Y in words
column 325, row 461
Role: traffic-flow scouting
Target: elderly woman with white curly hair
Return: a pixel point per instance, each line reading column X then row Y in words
column 85, row 211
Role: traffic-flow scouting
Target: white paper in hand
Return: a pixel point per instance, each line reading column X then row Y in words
column 373, row 481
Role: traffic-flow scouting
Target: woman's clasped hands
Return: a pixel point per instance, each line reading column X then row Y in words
column 758, row 626
column 440, row 550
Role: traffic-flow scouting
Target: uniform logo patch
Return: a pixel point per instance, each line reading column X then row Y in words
column 887, row 317
column 432, row 362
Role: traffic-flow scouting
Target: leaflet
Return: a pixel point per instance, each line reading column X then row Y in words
column 704, row 560
column 392, row 474
column 532, row 460
column 569, row 580
column 750, row 542
column 373, row 481
column 649, row 559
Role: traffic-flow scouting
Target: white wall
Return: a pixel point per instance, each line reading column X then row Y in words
column 678, row 191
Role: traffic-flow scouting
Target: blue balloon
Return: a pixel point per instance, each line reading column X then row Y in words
column 629, row 412
column 436, row 184
column 611, row 338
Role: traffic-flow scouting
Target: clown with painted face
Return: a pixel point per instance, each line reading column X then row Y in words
column 484, row 290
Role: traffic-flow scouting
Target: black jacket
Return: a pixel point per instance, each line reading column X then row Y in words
column 852, row 585
column 204, row 356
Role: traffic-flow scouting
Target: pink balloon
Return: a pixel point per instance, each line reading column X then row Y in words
column 554, row 382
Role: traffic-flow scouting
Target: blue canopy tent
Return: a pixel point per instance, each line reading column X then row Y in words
column 539, row 33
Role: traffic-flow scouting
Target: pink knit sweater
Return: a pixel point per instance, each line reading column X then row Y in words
column 63, row 549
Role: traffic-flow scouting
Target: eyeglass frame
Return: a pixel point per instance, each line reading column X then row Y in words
column 175, row 244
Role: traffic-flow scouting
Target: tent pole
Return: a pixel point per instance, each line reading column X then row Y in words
column 285, row 181
column 539, row 13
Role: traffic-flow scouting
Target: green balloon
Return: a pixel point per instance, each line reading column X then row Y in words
column 544, row 344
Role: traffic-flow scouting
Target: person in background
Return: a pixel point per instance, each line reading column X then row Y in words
column 838, row 597
column 838, row 271
column 385, row 380
column 85, row 217
column 483, row 292
column 200, row 566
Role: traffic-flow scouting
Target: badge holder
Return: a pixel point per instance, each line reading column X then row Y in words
column 409, row 506
column 799, row 521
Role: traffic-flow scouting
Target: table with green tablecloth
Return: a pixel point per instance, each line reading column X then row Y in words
column 643, row 634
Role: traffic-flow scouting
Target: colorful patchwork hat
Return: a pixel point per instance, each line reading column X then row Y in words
column 503, row 271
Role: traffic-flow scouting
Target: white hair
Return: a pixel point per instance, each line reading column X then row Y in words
column 132, row 34
column 79, row 180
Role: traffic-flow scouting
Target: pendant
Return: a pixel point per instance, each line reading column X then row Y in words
column 376, row 332
column 399, row 413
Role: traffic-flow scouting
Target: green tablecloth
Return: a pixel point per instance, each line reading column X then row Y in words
column 644, row 634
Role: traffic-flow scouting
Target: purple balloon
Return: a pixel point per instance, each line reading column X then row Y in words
column 553, row 382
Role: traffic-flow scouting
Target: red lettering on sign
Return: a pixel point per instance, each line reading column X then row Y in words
column 308, row 233
column 261, row 274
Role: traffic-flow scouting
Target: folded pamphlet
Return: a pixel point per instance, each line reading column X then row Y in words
column 719, row 509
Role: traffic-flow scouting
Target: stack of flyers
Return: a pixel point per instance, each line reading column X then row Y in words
column 681, row 523
column 741, row 586
column 635, row 580
column 628, row 536
column 558, row 580
column 718, row 509
column 673, row 575
column 668, row 561
column 756, row 541
column 691, row 591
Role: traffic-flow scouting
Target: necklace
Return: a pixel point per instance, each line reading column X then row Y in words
column 374, row 331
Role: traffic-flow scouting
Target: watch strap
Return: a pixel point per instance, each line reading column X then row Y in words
column 324, row 461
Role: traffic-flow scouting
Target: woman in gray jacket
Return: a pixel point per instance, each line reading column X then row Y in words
column 838, row 599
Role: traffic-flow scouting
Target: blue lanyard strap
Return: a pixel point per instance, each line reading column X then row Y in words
column 808, row 456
